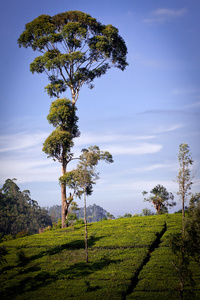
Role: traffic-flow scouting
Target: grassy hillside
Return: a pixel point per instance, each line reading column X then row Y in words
column 129, row 258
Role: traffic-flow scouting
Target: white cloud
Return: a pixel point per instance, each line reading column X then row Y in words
column 119, row 144
column 135, row 186
column 21, row 141
column 90, row 138
column 162, row 129
column 148, row 168
column 22, row 156
column 162, row 15
column 137, row 149
column 29, row 169
column 180, row 91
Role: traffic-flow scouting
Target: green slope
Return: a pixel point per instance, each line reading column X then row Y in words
column 128, row 259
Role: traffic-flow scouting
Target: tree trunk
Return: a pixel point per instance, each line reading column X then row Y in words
column 183, row 214
column 85, row 219
column 63, row 198
column 183, row 200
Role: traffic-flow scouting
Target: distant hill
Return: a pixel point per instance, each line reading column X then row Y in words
column 94, row 213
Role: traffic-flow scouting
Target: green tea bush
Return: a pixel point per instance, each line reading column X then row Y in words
column 3, row 252
column 22, row 258
column 52, row 265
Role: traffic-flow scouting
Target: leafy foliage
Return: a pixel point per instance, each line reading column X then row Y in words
column 3, row 252
column 62, row 115
column 84, row 176
column 75, row 48
column 192, row 227
column 18, row 212
column 147, row 212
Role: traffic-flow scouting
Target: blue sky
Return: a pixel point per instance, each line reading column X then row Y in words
column 140, row 115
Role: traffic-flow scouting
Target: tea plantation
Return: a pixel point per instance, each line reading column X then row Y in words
column 129, row 258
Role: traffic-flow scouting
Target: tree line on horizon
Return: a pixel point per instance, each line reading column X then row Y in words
column 19, row 213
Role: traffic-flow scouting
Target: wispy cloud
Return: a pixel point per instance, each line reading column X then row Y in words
column 180, row 91
column 164, row 111
column 138, row 185
column 90, row 138
column 162, row 129
column 120, row 144
column 137, row 149
column 195, row 105
column 162, row 15
column 21, row 157
column 21, row 154
column 21, row 141
column 148, row 168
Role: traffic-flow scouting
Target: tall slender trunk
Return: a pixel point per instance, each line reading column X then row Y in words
column 183, row 214
column 85, row 219
column 183, row 200
column 63, row 198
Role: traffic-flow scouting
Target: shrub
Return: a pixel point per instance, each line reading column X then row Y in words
column 3, row 252
column 22, row 234
column 7, row 237
column 22, row 259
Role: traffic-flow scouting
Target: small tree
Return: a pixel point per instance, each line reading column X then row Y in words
column 181, row 262
column 109, row 216
column 184, row 177
column 147, row 212
column 82, row 179
column 127, row 215
column 192, row 227
column 59, row 143
column 160, row 198
column 187, row 247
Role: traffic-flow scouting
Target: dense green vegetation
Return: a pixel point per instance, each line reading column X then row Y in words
column 129, row 258
column 19, row 214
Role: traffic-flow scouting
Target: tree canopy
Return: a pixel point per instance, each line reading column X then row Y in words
column 83, row 178
column 75, row 49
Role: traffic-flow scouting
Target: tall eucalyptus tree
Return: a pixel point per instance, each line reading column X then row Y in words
column 74, row 49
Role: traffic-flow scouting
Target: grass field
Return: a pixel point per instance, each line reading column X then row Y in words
column 129, row 258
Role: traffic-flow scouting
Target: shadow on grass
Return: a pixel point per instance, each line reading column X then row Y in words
column 33, row 282
column 42, row 279
column 74, row 245
column 82, row 269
